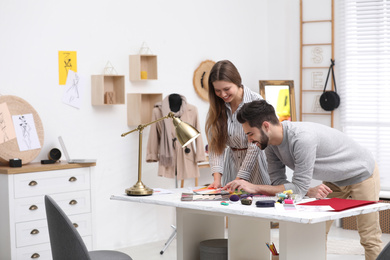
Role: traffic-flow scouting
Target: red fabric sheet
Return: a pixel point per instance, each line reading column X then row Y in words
column 339, row 204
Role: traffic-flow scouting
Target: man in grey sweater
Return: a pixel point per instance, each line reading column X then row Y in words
column 313, row 151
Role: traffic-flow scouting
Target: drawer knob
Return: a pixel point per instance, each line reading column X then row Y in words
column 73, row 202
column 33, row 183
column 34, row 232
column 33, row 207
column 75, row 225
column 72, row 179
column 35, row 256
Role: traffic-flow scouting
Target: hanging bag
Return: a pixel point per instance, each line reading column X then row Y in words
column 330, row 100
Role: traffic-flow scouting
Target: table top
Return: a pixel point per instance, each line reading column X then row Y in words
column 38, row 167
column 278, row 214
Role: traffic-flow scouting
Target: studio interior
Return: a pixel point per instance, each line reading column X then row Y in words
column 106, row 81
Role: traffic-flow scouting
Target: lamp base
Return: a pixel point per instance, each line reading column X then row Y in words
column 139, row 189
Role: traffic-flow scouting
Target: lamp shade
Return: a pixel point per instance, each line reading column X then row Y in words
column 185, row 133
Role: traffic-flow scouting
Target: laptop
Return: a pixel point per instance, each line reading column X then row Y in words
column 73, row 160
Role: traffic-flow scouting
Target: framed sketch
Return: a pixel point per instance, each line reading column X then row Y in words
column 281, row 95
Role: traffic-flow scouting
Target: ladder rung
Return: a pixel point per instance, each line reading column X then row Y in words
column 315, row 67
column 318, row 114
column 318, row 21
column 315, row 44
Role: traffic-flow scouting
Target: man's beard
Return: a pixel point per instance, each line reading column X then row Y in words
column 263, row 141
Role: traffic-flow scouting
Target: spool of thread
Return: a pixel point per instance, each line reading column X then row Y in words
column 282, row 195
column 247, row 201
column 265, row 203
column 144, row 74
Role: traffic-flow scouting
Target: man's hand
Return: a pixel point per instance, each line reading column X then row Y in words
column 240, row 185
column 319, row 192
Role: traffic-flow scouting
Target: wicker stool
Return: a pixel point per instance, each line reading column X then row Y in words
column 214, row 249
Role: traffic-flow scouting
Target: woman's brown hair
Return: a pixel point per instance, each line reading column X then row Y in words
column 216, row 122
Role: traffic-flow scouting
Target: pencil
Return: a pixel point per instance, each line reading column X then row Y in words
column 270, row 248
column 274, row 247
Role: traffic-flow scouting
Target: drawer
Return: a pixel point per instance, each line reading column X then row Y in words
column 43, row 251
column 37, row 252
column 50, row 182
column 33, row 208
column 36, row 232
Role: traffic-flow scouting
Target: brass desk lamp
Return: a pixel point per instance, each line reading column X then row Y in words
column 185, row 134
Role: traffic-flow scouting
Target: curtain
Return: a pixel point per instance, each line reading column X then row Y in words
column 364, row 77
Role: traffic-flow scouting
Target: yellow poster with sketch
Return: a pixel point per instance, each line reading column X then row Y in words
column 67, row 60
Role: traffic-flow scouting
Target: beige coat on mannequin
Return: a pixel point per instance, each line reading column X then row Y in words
column 185, row 163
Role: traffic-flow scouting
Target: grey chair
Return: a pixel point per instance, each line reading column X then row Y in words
column 66, row 242
column 385, row 253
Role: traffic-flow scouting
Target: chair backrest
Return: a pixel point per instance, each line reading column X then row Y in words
column 385, row 254
column 66, row 242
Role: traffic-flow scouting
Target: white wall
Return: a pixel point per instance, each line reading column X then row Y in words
column 261, row 37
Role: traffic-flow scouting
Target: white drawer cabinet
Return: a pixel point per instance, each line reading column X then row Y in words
column 23, row 226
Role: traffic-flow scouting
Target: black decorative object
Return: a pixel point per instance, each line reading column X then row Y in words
column 330, row 100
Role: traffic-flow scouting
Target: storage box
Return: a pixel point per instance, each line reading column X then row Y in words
column 384, row 219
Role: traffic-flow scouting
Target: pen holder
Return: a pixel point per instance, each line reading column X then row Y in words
column 275, row 257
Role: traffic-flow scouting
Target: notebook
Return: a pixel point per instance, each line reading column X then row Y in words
column 338, row 204
column 73, row 160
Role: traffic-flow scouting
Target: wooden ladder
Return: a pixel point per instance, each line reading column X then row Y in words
column 317, row 49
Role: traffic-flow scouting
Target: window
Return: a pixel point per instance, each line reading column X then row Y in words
column 364, row 77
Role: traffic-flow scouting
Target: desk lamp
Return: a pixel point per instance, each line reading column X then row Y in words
column 185, row 133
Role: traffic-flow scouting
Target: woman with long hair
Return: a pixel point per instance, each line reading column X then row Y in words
column 230, row 155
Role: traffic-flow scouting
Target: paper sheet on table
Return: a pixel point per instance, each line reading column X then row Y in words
column 26, row 132
column 313, row 208
column 157, row 191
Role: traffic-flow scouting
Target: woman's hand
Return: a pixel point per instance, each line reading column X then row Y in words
column 217, row 181
column 319, row 192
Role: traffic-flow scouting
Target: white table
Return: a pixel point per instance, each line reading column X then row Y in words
column 302, row 234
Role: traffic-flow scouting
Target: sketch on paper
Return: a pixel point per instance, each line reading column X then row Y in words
column 73, row 90
column 26, row 132
column 7, row 131
column 67, row 60
column 317, row 55
column 317, row 79
column 316, row 104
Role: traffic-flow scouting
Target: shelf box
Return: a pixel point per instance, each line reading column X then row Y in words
column 143, row 67
column 140, row 107
column 107, row 89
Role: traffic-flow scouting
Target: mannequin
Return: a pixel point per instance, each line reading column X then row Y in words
column 163, row 147
column 175, row 102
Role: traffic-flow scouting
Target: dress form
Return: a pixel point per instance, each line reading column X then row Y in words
column 175, row 102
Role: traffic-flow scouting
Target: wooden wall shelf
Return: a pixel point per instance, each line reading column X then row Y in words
column 140, row 107
column 143, row 67
column 107, row 89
